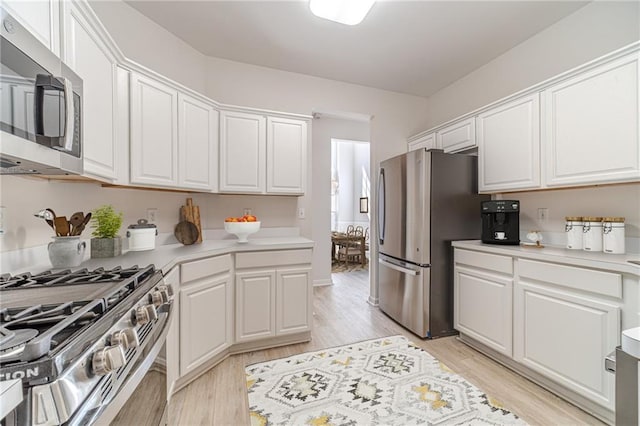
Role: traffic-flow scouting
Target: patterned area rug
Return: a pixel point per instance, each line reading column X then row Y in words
column 386, row 381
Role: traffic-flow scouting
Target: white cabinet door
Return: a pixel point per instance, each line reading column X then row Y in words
column 85, row 53
column 458, row 136
column 565, row 336
column 483, row 307
column 427, row 142
column 205, row 320
column 242, row 152
column 255, row 305
column 154, row 132
column 172, row 345
column 293, row 305
column 41, row 18
column 590, row 128
column 197, row 144
column 286, row 155
column 509, row 146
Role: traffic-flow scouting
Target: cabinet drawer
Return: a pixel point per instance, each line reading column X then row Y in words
column 492, row 262
column 272, row 258
column 206, row 267
column 605, row 283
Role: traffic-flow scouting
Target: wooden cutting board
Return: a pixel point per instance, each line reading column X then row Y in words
column 191, row 213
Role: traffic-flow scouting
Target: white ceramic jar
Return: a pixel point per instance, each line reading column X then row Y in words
column 573, row 230
column 613, row 235
column 592, row 233
column 142, row 236
column 65, row 252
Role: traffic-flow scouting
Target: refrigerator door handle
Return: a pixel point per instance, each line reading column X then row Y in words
column 381, row 206
column 399, row 268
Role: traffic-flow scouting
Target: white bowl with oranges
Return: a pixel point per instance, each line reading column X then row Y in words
column 242, row 227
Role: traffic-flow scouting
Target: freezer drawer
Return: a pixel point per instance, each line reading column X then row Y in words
column 404, row 294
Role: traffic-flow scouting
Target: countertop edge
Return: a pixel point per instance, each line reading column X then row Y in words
column 612, row 262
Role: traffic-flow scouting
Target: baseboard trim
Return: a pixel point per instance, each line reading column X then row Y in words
column 322, row 283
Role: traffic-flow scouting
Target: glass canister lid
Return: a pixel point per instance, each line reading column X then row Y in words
column 613, row 219
column 592, row 219
column 142, row 223
column 573, row 218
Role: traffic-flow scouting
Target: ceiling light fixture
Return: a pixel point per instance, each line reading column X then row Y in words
column 348, row 12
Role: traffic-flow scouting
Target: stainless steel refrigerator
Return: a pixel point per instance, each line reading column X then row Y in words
column 426, row 199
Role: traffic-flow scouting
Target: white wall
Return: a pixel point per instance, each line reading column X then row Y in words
column 353, row 166
column 325, row 129
column 592, row 31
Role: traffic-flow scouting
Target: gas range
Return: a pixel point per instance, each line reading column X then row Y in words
column 79, row 340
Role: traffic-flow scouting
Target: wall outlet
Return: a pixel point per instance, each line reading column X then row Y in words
column 152, row 215
column 543, row 215
column 301, row 214
column 246, row 211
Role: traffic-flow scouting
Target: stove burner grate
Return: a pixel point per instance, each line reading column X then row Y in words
column 66, row 277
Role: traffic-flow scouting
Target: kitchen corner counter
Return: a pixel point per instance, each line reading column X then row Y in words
column 599, row 260
column 165, row 257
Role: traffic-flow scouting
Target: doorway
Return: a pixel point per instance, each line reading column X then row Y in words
column 350, row 204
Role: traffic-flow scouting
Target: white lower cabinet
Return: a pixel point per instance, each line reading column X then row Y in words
column 206, row 306
column 483, row 286
column 273, row 301
column 255, row 305
column 554, row 320
column 564, row 332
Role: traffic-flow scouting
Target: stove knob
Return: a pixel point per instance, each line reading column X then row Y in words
column 127, row 338
column 166, row 288
column 159, row 297
column 145, row 314
column 107, row 359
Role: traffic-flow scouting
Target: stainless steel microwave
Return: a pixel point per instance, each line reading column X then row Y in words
column 41, row 106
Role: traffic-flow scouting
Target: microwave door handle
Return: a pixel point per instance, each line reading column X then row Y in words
column 69, row 115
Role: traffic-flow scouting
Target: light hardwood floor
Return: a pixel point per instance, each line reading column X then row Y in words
column 341, row 316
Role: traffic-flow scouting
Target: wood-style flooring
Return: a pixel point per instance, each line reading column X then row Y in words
column 341, row 316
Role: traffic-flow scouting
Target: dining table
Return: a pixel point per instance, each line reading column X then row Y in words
column 339, row 239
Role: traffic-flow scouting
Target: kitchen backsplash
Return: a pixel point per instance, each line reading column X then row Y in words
column 22, row 197
column 607, row 200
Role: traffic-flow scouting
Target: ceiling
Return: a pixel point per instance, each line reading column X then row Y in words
column 413, row 47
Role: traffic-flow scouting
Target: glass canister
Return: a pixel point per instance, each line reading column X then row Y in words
column 592, row 233
column 573, row 230
column 613, row 235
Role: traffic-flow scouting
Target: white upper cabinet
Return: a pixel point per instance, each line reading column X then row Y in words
column 154, row 132
column 197, row 144
column 242, row 152
column 458, row 136
column 286, row 155
column 40, row 17
column 428, row 142
column 262, row 154
column 509, row 146
column 590, row 126
column 87, row 55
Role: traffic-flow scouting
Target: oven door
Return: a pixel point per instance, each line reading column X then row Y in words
column 41, row 104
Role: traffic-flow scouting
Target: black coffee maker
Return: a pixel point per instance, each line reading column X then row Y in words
column 501, row 222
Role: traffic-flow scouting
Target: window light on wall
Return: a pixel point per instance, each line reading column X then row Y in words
column 348, row 12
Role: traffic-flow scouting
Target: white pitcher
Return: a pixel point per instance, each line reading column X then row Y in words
column 65, row 252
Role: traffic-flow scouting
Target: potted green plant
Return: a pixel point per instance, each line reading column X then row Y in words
column 106, row 223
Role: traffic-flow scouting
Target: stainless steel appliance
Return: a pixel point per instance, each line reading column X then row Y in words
column 501, row 222
column 624, row 362
column 41, row 114
column 426, row 199
column 80, row 341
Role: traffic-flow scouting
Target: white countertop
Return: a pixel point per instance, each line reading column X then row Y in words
column 599, row 260
column 167, row 256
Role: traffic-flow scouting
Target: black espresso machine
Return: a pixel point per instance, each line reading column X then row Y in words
column 501, row 222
